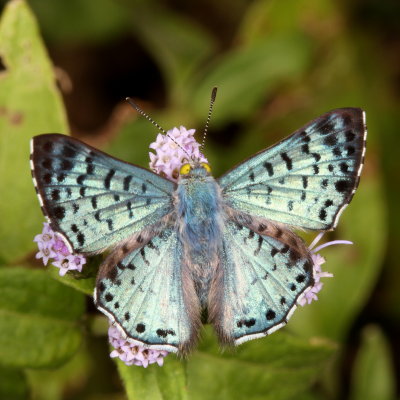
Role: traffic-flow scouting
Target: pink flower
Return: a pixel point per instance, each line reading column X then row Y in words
column 132, row 353
column 318, row 260
column 53, row 245
column 173, row 150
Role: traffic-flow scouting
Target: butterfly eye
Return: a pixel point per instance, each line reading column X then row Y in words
column 206, row 167
column 185, row 169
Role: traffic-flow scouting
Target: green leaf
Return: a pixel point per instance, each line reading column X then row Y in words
column 38, row 319
column 97, row 21
column 52, row 384
column 373, row 375
column 83, row 281
column 13, row 385
column 178, row 44
column 277, row 367
column 246, row 76
column 154, row 382
column 29, row 105
column 355, row 268
column 266, row 17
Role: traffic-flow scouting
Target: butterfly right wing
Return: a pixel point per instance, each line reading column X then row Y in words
column 93, row 199
column 261, row 274
column 308, row 178
column 149, row 294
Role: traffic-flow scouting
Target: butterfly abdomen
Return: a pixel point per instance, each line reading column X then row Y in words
column 199, row 210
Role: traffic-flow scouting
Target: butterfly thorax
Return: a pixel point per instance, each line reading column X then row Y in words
column 199, row 210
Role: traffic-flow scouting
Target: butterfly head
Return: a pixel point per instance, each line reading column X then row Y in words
column 194, row 170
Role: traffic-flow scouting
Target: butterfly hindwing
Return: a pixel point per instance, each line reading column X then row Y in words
column 258, row 282
column 307, row 179
column 143, row 293
column 92, row 198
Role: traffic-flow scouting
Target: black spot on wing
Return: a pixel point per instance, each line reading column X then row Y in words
column 316, row 156
column 61, row 177
column 350, row 136
column 269, row 168
column 248, row 323
column 81, row 239
column 304, row 137
column 66, row 165
column 127, row 181
column 55, row 194
column 326, row 127
column 107, row 180
column 165, row 332
column 344, row 167
column 288, row 161
column 90, row 169
column 330, row 140
column 350, row 150
column 305, row 149
column 108, row 297
column 47, row 178
column 80, row 179
column 300, row 278
column 47, row 163
column 68, row 152
column 59, row 212
column 270, row 315
column 342, row 186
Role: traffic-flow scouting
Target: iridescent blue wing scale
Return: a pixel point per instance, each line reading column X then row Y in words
column 259, row 281
column 307, row 179
column 141, row 290
column 93, row 199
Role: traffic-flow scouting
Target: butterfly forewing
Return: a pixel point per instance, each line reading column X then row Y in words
column 258, row 283
column 92, row 198
column 143, row 294
column 306, row 179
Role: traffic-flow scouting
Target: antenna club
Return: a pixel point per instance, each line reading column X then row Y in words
column 214, row 93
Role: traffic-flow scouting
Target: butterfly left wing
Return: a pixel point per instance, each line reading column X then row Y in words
column 93, row 199
column 258, row 282
column 307, row 179
column 149, row 294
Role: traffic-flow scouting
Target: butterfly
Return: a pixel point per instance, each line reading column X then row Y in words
column 222, row 245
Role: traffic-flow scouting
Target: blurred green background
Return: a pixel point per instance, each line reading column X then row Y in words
column 67, row 66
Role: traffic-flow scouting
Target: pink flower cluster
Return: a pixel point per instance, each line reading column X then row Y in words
column 53, row 246
column 318, row 260
column 132, row 353
column 173, row 150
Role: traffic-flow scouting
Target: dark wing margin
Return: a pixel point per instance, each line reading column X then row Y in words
column 307, row 179
column 93, row 199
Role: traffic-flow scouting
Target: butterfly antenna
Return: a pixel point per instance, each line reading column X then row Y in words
column 213, row 96
column 143, row 114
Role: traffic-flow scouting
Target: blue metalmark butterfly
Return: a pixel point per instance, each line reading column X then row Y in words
column 223, row 245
